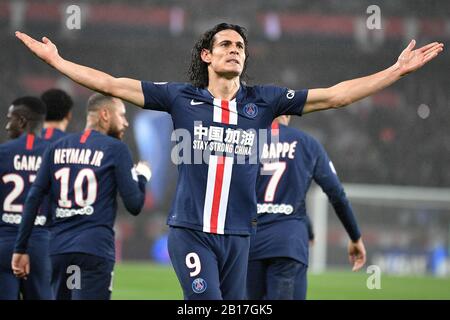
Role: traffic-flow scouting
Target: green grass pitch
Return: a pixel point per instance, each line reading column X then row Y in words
column 146, row 281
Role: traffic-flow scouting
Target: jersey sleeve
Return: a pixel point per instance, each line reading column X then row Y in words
column 285, row 101
column 35, row 196
column 157, row 95
column 131, row 185
column 310, row 229
column 326, row 177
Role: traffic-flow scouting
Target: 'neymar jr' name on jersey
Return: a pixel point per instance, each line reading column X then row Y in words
column 78, row 156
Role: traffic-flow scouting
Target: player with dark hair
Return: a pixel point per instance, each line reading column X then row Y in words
column 214, row 209
column 59, row 114
column 278, row 258
column 83, row 173
column 20, row 160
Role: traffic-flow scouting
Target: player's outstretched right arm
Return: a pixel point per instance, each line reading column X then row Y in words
column 123, row 88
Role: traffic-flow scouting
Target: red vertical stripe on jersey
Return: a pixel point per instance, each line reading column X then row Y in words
column 48, row 133
column 217, row 194
column 30, row 141
column 225, row 112
column 85, row 136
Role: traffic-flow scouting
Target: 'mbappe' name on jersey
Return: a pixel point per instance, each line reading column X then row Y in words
column 279, row 150
column 27, row 163
column 78, row 156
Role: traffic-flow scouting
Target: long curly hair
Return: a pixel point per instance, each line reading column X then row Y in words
column 198, row 70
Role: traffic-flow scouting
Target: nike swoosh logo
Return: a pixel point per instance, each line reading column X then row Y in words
column 194, row 103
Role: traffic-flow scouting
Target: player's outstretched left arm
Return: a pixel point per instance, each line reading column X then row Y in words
column 347, row 92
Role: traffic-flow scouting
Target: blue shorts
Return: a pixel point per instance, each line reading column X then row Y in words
column 209, row 266
column 81, row 276
column 37, row 285
column 276, row 279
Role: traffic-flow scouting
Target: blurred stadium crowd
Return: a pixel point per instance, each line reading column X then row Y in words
column 399, row 136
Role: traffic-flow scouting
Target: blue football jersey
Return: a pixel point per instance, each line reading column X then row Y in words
column 82, row 173
column 52, row 134
column 290, row 161
column 217, row 149
column 20, row 160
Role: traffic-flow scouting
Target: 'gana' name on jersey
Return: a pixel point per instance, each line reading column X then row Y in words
column 279, row 150
column 27, row 163
column 78, row 156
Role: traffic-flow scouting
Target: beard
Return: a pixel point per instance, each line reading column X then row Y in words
column 115, row 133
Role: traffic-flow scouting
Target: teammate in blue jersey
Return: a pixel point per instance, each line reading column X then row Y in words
column 310, row 229
column 59, row 114
column 20, row 160
column 215, row 119
column 83, row 173
column 278, row 256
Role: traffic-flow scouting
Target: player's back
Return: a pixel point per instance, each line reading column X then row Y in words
column 83, row 189
column 288, row 165
column 20, row 160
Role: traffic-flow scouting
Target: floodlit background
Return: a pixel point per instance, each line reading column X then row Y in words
column 399, row 137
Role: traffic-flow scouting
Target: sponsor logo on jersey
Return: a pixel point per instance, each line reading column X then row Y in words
column 290, row 94
column 275, row 208
column 195, row 103
column 199, row 285
column 251, row 110
column 65, row 213
column 17, row 219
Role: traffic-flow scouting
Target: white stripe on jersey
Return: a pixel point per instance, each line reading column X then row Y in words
column 217, row 111
column 233, row 112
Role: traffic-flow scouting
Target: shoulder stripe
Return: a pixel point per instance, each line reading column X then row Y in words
column 85, row 136
column 30, row 142
column 48, row 133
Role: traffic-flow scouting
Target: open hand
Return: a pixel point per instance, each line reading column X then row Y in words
column 45, row 50
column 410, row 60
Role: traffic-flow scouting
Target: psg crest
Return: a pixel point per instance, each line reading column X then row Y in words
column 199, row 285
column 251, row 110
